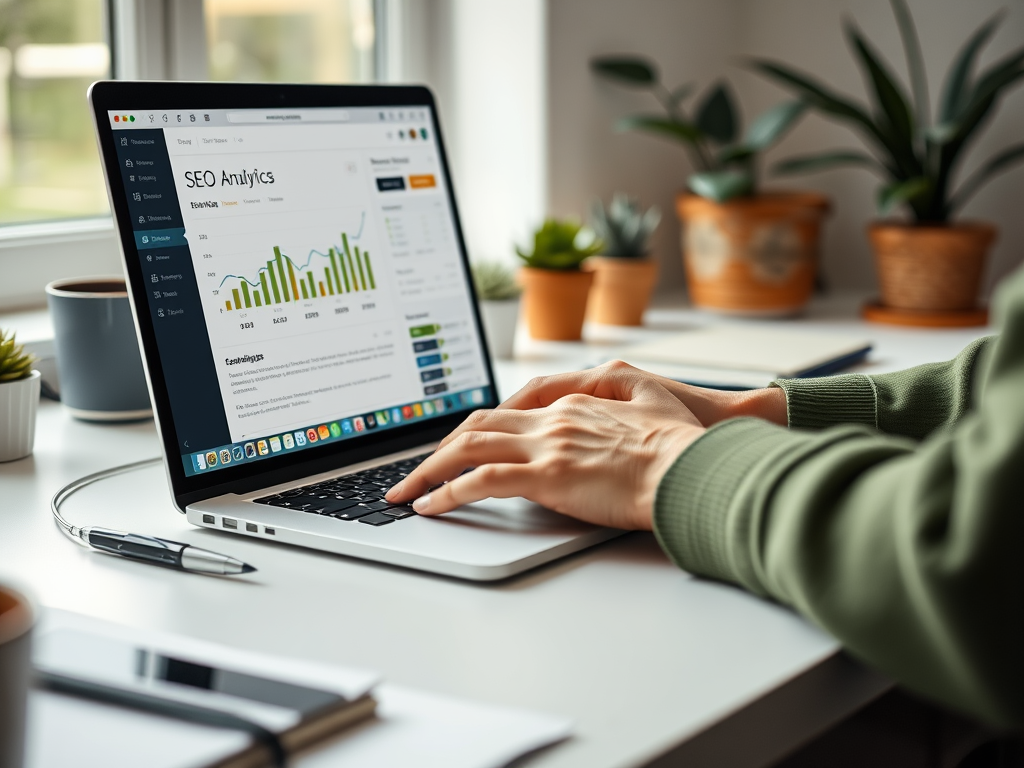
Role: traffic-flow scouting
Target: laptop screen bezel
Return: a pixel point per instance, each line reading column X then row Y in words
column 106, row 96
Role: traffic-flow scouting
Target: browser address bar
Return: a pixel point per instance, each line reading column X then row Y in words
column 279, row 116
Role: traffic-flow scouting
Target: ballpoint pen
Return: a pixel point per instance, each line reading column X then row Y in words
column 136, row 546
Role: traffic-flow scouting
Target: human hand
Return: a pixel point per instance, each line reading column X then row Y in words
column 710, row 406
column 596, row 455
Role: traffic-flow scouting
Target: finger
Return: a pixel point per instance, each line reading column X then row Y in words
column 500, row 481
column 471, row 450
column 512, row 422
column 615, row 380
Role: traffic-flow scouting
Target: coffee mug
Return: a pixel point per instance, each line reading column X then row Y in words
column 98, row 360
column 16, row 619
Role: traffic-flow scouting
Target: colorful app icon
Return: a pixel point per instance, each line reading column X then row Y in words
column 261, row 446
column 371, row 421
column 407, row 411
column 335, row 428
column 311, row 435
column 346, row 427
column 288, row 440
column 225, row 456
column 200, row 461
column 300, row 439
column 428, row 408
column 237, row 453
column 382, row 417
column 396, row 415
column 275, row 444
column 359, row 424
column 211, row 458
column 417, row 409
column 250, row 450
column 323, row 431
column 439, row 405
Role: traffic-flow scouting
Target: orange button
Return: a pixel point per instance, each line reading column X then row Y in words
column 422, row 181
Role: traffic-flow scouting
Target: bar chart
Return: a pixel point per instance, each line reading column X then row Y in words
column 335, row 271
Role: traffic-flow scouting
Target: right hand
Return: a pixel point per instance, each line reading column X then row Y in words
column 710, row 406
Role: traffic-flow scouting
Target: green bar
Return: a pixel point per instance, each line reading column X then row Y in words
column 424, row 330
column 312, row 285
column 330, row 284
column 334, row 266
column 369, row 270
column 245, row 294
column 344, row 273
column 257, row 297
column 362, row 275
column 280, row 268
column 304, row 294
column 266, row 290
column 273, row 282
column 291, row 277
column 238, row 301
column 351, row 267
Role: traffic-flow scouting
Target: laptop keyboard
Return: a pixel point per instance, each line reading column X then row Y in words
column 352, row 497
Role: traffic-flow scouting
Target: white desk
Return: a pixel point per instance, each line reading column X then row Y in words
column 655, row 666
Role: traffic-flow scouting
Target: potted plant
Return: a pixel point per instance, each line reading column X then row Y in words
column 624, row 275
column 555, row 288
column 745, row 251
column 930, row 263
column 19, row 399
column 498, row 294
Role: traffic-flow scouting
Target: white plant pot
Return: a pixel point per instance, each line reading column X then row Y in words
column 500, row 319
column 19, row 401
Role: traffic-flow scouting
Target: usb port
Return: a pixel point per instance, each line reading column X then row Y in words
column 251, row 527
column 270, row 531
column 227, row 522
column 208, row 519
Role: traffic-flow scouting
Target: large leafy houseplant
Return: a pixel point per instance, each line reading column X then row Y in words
column 915, row 153
column 724, row 163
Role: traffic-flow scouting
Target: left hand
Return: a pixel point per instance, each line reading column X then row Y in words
column 595, row 456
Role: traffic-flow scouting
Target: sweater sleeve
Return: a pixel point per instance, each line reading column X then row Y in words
column 913, row 403
column 910, row 553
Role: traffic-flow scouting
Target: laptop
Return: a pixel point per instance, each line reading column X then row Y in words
column 303, row 301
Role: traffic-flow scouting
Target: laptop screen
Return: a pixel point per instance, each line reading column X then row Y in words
column 303, row 275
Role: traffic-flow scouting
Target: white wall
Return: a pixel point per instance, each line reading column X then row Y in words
column 699, row 40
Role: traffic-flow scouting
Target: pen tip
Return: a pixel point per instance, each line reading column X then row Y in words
column 246, row 568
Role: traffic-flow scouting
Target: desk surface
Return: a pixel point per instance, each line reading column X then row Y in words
column 653, row 664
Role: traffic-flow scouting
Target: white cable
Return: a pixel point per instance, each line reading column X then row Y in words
column 74, row 532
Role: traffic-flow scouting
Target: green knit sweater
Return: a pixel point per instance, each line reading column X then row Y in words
column 891, row 514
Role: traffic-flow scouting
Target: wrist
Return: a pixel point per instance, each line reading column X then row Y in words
column 768, row 404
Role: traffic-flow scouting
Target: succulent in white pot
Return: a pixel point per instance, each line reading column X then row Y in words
column 498, row 293
column 19, row 399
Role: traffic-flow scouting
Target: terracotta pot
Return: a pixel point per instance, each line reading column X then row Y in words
column 555, row 302
column 925, row 267
column 622, row 289
column 752, row 256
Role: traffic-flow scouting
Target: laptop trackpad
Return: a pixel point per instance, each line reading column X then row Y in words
column 513, row 515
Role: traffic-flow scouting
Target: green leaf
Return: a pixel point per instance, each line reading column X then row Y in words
column 629, row 70
column 915, row 61
column 560, row 245
column 955, row 91
column 824, row 162
column 735, row 153
column 769, row 126
column 683, row 132
column 889, row 98
column 993, row 166
column 901, row 192
column 716, row 116
column 981, row 102
column 721, row 185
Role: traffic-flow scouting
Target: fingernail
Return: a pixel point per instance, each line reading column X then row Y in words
column 422, row 504
column 394, row 489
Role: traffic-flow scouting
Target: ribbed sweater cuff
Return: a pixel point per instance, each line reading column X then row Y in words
column 832, row 400
column 692, row 519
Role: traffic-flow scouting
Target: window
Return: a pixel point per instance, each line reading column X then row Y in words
column 50, row 50
column 313, row 41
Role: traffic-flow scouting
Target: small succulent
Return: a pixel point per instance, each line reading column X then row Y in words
column 725, row 163
column 15, row 363
column 495, row 281
column 561, row 245
column 623, row 226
